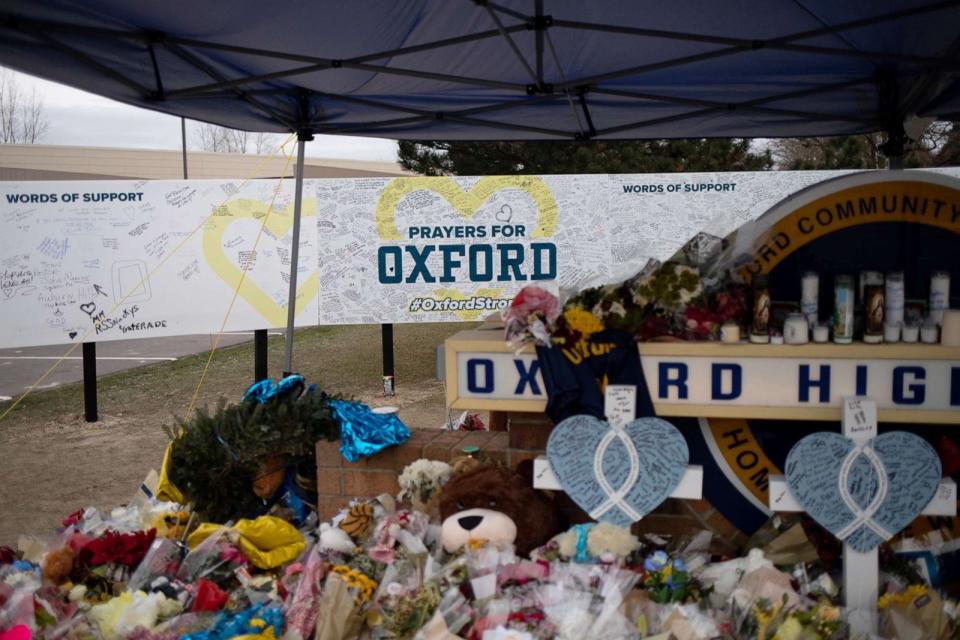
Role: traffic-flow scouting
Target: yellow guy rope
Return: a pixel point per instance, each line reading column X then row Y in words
column 236, row 293
column 183, row 242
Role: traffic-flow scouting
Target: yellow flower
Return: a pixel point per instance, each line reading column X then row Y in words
column 829, row 613
column 476, row 543
column 358, row 581
column 583, row 321
column 913, row 592
column 789, row 630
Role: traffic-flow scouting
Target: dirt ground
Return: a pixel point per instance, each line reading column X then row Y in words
column 52, row 462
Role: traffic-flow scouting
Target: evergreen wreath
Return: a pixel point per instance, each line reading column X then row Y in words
column 216, row 456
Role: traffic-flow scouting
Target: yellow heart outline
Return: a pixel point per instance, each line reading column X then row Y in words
column 466, row 202
column 278, row 223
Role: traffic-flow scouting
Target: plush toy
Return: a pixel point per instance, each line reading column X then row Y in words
column 492, row 504
column 58, row 564
column 603, row 541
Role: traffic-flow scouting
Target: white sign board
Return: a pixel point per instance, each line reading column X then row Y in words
column 96, row 261
column 698, row 379
column 109, row 260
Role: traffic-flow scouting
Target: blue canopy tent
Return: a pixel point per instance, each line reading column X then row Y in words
column 507, row 70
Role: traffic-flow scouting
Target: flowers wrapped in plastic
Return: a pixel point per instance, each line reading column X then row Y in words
column 530, row 317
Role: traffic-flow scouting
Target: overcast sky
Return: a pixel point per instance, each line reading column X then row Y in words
column 83, row 119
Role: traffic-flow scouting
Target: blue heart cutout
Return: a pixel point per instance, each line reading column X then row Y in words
column 649, row 454
column 910, row 476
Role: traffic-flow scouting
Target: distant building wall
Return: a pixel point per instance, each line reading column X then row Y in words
column 48, row 162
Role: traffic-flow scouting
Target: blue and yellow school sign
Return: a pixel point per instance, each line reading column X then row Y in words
column 741, row 407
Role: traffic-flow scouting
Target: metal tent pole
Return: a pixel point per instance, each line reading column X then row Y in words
column 90, row 413
column 294, row 255
column 183, row 143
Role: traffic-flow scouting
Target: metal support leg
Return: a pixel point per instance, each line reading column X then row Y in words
column 90, row 381
column 386, row 333
column 259, row 355
column 294, row 257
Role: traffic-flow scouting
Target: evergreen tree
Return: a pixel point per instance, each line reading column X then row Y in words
column 552, row 157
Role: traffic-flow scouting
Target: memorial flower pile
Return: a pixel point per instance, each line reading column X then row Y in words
column 378, row 571
column 670, row 301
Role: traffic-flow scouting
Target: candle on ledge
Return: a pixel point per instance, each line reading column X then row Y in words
column 810, row 296
column 893, row 300
column 929, row 331
column 939, row 295
column 821, row 333
column 911, row 332
column 891, row 332
column 730, row 333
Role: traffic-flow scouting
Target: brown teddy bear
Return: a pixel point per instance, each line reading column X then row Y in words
column 491, row 503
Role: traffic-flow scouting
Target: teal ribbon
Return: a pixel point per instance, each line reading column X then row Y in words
column 583, row 531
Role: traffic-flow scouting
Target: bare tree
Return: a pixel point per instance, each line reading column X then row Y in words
column 22, row 117
column 223, row 140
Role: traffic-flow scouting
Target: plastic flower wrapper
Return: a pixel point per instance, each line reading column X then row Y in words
column 530, row 317
column 688, row 622
column 120, row 616
column 16, row 597
column 778, row 621
column 345, row 596
column 402, row 609
column 916, row 612
column 51, row 610
column 301, row 608
column 766, row 584
column 214, row 558
column 453, row 614
column 450, row 574
column 403, row 530
column 162, row 559
column 483, row 562
column 723, row 577
column 586, row 600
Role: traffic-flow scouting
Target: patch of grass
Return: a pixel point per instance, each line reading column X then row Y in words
column 343, row 359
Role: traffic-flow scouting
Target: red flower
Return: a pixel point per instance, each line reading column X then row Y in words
column 7, row 555
column 73, row 518
column 117, row 548
column 209, row 597
column 701, row 323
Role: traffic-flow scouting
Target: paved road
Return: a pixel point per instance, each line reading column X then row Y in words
column 19, row 368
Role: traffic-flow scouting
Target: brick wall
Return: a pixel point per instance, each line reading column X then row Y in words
column 339, row 481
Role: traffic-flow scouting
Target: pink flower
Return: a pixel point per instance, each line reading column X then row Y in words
column 533, row 300
column 229, row 553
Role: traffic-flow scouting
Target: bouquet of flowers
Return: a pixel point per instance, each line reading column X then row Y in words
column 668, row 580
column 769, row 621
column 530, row 317
column 422, row 480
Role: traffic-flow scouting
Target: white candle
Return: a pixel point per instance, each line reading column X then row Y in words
column 939, row 295
column 929, row 332
column 821, row 333
column 730, row 333
column 950, row 333
column 911, row 333
column 893, row 298
column 891, row 332
column 810, row 296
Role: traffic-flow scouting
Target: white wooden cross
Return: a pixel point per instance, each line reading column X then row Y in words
column 861, row 571
column 620, row 405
